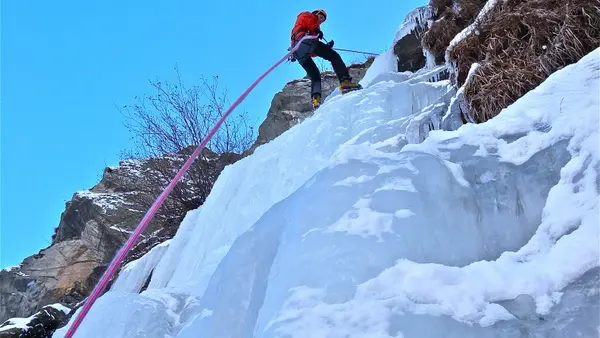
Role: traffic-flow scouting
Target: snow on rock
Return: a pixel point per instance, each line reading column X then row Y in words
column 356, row 224
column 561, row 256
column 107, row 201
column 16, row 323
column 61, row 308
column 11, row 268
column 41, row 324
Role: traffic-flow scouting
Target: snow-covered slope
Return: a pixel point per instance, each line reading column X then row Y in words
column 360, row 222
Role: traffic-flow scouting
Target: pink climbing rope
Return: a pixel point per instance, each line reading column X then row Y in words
column 112, row 268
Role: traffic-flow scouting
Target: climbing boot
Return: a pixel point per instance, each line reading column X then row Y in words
column 316, row 101
column 348, row 86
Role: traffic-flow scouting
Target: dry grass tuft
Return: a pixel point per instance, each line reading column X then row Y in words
column 519, row 44
column 468, row 10
column 441, row 32
column 451, row 17
column 464, row 55
column 440, row 5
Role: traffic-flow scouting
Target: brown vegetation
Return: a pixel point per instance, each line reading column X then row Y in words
column 440, row 5
column 441, row 32
column 468, row 10
column 451, row 18
column 518, row 45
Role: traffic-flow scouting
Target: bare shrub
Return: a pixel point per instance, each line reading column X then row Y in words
column 167, row 126
column 176, row 117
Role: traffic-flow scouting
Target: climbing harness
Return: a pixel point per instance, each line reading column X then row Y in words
column 118, row 259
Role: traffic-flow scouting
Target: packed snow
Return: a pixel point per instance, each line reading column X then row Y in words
column 367, row 220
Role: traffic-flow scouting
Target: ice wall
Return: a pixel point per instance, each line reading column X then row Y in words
column 362, row 222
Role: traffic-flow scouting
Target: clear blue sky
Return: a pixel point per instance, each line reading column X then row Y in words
column 65, row 64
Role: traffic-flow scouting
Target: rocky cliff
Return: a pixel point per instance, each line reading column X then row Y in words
column 95, row 223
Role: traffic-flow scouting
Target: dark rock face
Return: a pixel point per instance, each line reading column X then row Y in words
column 292, row 104
column 408, row 46
column 410, row 52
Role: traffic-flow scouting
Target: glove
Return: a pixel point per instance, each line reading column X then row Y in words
column 319, row 34
column 291, row 58
column 330, row 43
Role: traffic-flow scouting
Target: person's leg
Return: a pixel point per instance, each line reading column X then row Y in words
column 313, row 73
column 339, row 67
column 302, row 54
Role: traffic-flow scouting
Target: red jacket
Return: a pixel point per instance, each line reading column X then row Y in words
column 306, row 23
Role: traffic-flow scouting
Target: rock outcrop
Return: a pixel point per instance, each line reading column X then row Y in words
column 292, row 104
column 407, row 43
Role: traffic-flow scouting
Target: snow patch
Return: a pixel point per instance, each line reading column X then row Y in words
column 107, row 201
column 61, row 308
column 364, row 221
column 349, row 181
column 17, row 323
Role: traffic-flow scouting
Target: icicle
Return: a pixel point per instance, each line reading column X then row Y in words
column 420, row 18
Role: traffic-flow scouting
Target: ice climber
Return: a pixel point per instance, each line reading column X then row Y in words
column 310, row 23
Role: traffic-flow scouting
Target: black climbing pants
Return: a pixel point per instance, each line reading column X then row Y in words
column 314, row 46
